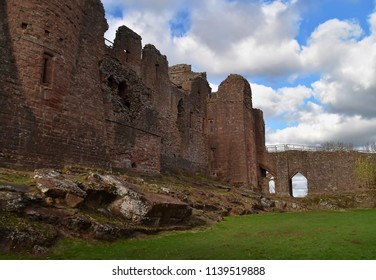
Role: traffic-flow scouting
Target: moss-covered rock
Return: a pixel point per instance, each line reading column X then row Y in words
column 20, row 234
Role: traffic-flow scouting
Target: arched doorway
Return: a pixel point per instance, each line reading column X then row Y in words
column 269, row 181
column 298, row 185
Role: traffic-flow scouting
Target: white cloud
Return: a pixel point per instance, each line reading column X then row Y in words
column 248, row 38
column 347, row 65
column 346, row 90
column 317, row 126
column 284, row 102
column 329, row 44
column 224, row 37
column 214, row 87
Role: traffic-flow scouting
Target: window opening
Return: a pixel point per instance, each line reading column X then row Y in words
column 181, row 120
column 111, row 82
column 271, row 185
column 180, row 107
column 269, row 180
column 213, row 159
column 156, row 71
column 211, row 126
column 123, row 93
column 47, row 69
column 127, row 53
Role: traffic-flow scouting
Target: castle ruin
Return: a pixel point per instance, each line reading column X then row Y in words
column 67, row 98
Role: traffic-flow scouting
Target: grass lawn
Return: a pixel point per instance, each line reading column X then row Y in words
column 347, row 234
column 311, row 235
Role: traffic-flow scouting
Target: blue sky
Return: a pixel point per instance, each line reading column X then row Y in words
column 311, row 64
column 317, row 12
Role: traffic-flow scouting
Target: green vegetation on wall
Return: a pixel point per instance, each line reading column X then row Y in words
column 365, row 171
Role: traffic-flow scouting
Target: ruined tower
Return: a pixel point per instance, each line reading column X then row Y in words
column 127, row 48
column 232, row 132
column 174, row 112
column 52, row 100
column 187, row 146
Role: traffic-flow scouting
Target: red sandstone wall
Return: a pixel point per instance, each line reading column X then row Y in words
column 250, row 146
column 232, row 132
column 186, row 144
column 132, row 138
column 11, row 98
column 133, row 148
column 64, row 123
column 154, row 72
column 127, row 48
column 258, row 117
column 181, row 112
column 326, row 172
column 152, row 103
column 64, row 100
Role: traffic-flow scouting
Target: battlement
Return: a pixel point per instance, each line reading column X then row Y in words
column 127, row 48
column 234, row 88
column 182, row 76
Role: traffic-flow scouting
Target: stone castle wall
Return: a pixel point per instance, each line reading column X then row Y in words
column 232, row 132
column 68, row 99
column 53, row 109
column 326, row 172
column 175, row 114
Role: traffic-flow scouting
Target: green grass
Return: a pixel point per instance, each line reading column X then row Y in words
column 8, row 176
column 311, row 235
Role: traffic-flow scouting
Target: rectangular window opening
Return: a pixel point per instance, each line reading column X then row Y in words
column 156, row 71
column 127, row 53
column 211, row 126
column 47, row 69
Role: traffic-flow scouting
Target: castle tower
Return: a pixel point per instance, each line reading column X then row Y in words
column 128, row 48
column 185, row 143
column 232, row 137
column 55, row 47
column 154, row 72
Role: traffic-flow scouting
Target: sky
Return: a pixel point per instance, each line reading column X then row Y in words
column 311, row 64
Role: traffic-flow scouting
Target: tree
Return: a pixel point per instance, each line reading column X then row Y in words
column 370, row 147
column 337, row 146
column 365, row 171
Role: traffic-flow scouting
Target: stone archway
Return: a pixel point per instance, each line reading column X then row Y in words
column 268, row 180
column 298, row 185
column 271, row 183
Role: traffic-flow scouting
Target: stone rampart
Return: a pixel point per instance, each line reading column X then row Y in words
column 326, row 172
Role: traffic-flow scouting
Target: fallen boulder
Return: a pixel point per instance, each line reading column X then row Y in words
column 99, row 193
column 11, row 201
column 53, row 185
column 145, row 207
column 17, row 234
